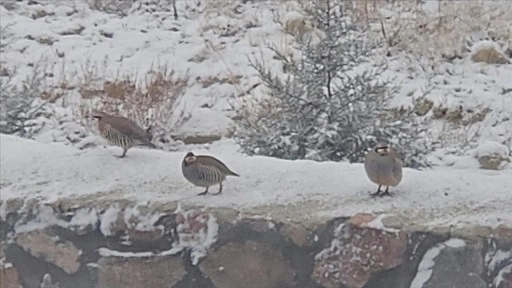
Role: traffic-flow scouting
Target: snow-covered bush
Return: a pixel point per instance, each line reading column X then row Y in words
column 19, row 104
column 333, row 103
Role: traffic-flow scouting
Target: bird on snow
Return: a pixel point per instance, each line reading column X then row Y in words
column 383, row 167
column 122, row 132
column 205, row 171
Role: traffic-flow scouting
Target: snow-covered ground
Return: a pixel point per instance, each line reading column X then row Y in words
column 210, row 43
column 443, row 196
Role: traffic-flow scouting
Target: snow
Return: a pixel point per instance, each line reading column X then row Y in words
column 108, row 219
column 484, row 45
column 427, row 263
column 140, row 43
column 441, row 196
column 377, row 224
column 425, row 267
column 491, row 147
column 198, row 45
column 199, row 247
column 105, row 252
column 455, row 243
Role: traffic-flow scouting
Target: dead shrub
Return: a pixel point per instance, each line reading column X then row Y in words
column 150, row 102
column 118, row 7
column 118, row 90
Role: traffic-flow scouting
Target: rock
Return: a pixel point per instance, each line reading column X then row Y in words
column 471, row 232
column 249, row 265
column 456, row 265
column 259, row 225
column 2, row 247
column 504, row 278
column 47, row 282
column 423, row 106
column 493, row 162
column 295, row 233
column 39, row 244
column 439, row 112
column 361, row 219
column 488, row 52
column 492, row 155
column 356, row 253
column 140, row 272
column 9, row 276
column 200, row 139
column 498, row 261
column 297, row 27
column 503, row 234
column 134, row 228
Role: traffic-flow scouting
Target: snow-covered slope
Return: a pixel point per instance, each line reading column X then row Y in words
column 211, row 43
column 79, row 46
column 444, row 196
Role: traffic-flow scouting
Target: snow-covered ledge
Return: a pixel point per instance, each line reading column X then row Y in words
column 83, row 218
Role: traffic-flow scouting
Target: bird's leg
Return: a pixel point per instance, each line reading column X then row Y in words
column 376, row 193
column 386, row 193
column 124, row 153
column 220, row 189
column 204, row 192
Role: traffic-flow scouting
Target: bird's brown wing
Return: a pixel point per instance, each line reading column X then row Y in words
column 208, row 160
column 129, row 128
column 397, row 168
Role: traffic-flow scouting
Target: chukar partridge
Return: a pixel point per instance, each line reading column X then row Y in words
column 205, row 171
column 122, row 132
column 383, row 167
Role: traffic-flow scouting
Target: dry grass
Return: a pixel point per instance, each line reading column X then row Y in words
column 118, row 7
column 439, row 31
column 149, row 100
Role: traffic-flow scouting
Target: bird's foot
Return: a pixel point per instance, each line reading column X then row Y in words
column 375, row 194
column 202, row 193
column 385, row 193
column 120, row 156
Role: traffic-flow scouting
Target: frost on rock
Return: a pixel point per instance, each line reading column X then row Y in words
column 47, row 282
column 108, row 220
column 191, row 230
column 504, row 275
column 426, row 266
column 356, row 253
column 194, row 231
column 333, row 104
column 197, row 231
column 498, row 263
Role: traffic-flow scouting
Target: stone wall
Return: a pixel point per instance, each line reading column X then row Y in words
column 120, row 246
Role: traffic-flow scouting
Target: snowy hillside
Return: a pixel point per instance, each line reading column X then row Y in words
column 49, row 172
column 82, row 54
